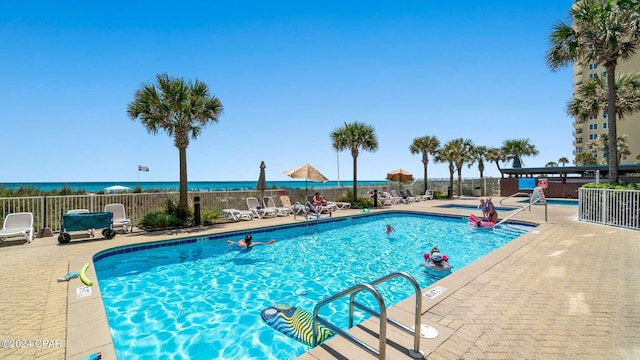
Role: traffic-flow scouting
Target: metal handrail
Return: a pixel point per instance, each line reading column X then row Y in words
column 516, row 194
column 382, row 315
column 317, row 320
column 528, row 206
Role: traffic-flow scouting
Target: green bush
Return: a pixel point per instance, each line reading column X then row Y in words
column 618, row 186
column 439, row 195
column 209, row 217
column 160, row 220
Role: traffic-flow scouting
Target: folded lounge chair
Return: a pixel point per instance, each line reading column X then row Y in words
column 18, row 225
column 119, row 217
column 296, row 209
column 237, row 215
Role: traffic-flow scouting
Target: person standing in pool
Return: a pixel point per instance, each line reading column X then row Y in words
column 247, row 242
column 493, row 214
column 389, row 229
column 437, row 262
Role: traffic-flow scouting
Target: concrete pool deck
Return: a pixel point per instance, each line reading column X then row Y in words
column 564, row 290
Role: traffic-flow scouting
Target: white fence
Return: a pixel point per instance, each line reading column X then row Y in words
column 48, row 210
column 610, row 207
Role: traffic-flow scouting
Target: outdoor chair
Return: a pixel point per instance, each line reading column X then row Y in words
column 17, row 225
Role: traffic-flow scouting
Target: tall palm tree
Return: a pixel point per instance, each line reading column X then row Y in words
column 479, row 155
column 563, row 160
column 353, row 137
column 182, row 109
column 585, row 158
column 426, row 145
column 457, row 152
column 515, row 149
column 497, row 156
column 446, row 155
column 602, row 32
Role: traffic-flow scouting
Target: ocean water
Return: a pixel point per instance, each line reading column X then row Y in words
column 192, row 185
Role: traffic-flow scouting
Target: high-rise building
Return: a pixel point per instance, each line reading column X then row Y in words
column 590, row 132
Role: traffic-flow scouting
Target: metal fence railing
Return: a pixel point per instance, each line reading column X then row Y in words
column 610, row 207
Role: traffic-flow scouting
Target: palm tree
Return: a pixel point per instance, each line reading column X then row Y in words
column 585, row 158
column 456, row 152
column 446, row 155
column 479, row 155
column 355, row 136
column 551, row 164
column 516, row 149
column 591, row 97
column 426, row 145
column 563, row 160
column 603, row 145
column 603, row 32
column 497, row 156
column 182, row 109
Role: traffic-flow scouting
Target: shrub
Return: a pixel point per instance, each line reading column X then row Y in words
column 209, row 217
column 618, row 186
column 159, row 220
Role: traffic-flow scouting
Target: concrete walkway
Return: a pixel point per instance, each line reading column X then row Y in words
column 567, row 290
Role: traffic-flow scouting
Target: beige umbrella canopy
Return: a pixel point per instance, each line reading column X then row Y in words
column 399, row 175
column 306, row 172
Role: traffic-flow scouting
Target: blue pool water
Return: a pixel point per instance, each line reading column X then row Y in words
column 202, row 299
column 566, row 202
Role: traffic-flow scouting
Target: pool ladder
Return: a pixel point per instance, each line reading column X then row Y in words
column 382, row 316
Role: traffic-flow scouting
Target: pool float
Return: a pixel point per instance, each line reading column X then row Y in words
column 83, row 276
column 474, row 220
column 427, row 256
column 294, row 322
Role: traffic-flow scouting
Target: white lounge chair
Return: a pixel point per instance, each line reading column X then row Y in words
column 428, row 195
column 296, row 209
column 394, row 200
column 119, row 218
column 237, row 215
column 254, row 206
column 269, row 203
column 400, row 199
column 18, row 225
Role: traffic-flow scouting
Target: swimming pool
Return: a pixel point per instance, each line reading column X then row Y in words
column 200, row 298
column 565, row 202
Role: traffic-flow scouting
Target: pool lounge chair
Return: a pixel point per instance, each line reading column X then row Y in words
column 17, row 225
column 119, row 217
column 254, row 206
column 296, row 209
column 237, row 215
column 428, row 195
column 269, row 203
column 331, row 206
column 399, row 198
column 405, row 195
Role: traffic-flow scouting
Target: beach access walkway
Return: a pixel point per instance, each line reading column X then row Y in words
column 566, row 290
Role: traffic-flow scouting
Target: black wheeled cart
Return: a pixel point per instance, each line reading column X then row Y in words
column 86, row 221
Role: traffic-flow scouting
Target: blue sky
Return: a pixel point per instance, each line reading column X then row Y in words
column 287, row 73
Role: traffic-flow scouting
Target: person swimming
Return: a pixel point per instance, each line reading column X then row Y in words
column 437, row 262
column 389, row 229
column 247, row 242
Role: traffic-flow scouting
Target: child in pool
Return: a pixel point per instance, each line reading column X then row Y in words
column 389, row 229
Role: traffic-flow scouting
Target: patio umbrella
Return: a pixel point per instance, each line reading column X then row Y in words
column 262, row 182
column 399, row 175
column 306, row 172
